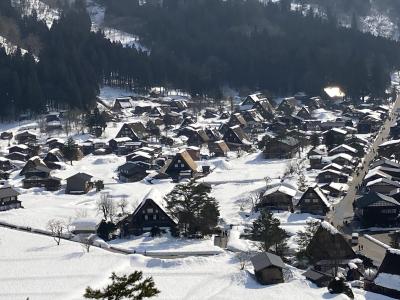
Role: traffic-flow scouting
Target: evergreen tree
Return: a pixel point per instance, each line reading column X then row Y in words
column 130, row 286
column 304, row 237
column 267, row 231
column 193, row 206
column 314, row 140
column 70, row 150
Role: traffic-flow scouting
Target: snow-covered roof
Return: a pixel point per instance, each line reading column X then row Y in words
column 282, row 189
column 123, row 139
column 85, row 224
column 346, row 147
column 390, row 281
column 339, row 186
column 329, row 227
column 334, row 92
column 322, row 196
column 388, row 143
column 384, row 180
column 342, row 155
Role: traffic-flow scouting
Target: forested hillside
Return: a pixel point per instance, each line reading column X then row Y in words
column 200, row 45
column 71, row 62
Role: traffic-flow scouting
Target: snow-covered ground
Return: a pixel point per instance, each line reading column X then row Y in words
column 33, row 266
column 166, row 244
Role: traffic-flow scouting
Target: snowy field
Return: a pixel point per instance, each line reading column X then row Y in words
column 33, row 266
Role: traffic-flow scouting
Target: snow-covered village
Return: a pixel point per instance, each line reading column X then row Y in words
column 210, row 189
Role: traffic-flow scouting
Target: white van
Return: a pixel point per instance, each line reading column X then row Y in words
column 354, row 238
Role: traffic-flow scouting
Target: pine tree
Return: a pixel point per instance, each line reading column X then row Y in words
column 314, row 140
column 70, row 150
column 130, row 286
column 304, row 237
column 193, row 206
column 267, row 231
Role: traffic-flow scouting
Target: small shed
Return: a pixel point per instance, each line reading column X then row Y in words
column 268, row 268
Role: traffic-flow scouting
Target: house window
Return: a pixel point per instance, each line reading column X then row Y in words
column 146, row 217
column 388, row 211
column 176, row 165
column 307, row 200
column 315, row 200
column 149, row 210
column 154, row 217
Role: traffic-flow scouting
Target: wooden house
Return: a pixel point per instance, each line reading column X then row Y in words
column 218, row 148
column 328, row 176
column 35, row 166
column 79, row 183
column 26, row 137
column 287, row 106
column 384, row 162
column 252, row 117
column 265, row 109
column 49, row 183
column 194, row 152
column 268, row 268
column 213, row 135
column 52, row 157
column 304, row 113
column 374, row 209
column 179, row 105
column 119, row 142
column 343, row 159
column 198, row 138
column 149, row 215
column 128, row 131
column 389, row 148
column 237, row 120
column 122, row 103
column 343, row 148
column 9, row 199
column 17, row 156
column 140, row 156
column 334, row 189
column 172, row 118
column 22, row 148
column 133, row 171
column 368, row 124
column 387, row 280
column 279, row 197
column 250, row 101
column 281, row 148
column 382, row 185
column 334, row 136
column 314, row 201
column 180, row 166
column 320, row 279
column 236, row 138
column 329, row 247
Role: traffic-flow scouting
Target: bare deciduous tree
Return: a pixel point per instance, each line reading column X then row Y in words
column 123, row 204
column 87, row 242
column 56, row 227
column 244, row 258
column 106, row 206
